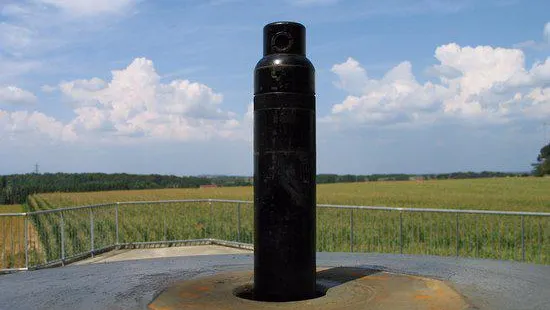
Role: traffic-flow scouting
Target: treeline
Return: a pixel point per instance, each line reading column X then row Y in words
column 223, row 180
column 15, row 188
column 335, row 178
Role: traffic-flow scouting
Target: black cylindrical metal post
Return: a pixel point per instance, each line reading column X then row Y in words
column 284, row 167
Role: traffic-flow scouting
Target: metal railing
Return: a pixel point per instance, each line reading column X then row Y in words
column 59, row 236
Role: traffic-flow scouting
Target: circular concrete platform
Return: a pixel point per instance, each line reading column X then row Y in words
column 341, row 287
column 486, row 284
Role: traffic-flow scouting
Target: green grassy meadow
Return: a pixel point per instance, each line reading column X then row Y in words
column 468, row 235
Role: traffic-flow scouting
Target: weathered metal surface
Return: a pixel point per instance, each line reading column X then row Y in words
column 344, row 288
column 284, row 166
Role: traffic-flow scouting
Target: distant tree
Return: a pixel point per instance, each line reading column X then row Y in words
column 327, row 178
column 3, row 184
column 542, row 166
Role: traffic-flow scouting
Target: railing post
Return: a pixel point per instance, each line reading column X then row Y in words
column 12, row 250
column 351, row 230
column 401, row 231
column 164, row 223
column 540, row 241
column 522, row 238
column 62, row 225
column 4, row 233
column 211, row 218
column 116, row 223
column 92, row 231
column 239, row 222
column 477, row 237
column 457, row 236
column 26, row 224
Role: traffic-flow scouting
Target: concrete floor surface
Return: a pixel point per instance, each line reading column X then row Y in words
column 136, row 254
column 133, row 284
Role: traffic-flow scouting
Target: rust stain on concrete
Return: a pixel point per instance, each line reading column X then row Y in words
column 344, row 288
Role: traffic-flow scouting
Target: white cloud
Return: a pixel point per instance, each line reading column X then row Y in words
column 396, row 98
column 90, row 7
column 479, row 84
column 353, row 78
column 540, row 95
column 136, row 104
column 15, row 95
column 246, row 128
column 540, row 103
column 21, row 125
column 481, row 68
column 82, row 91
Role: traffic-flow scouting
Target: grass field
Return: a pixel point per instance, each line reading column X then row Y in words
column 512, row 194
column 482, row 236
column 11, row 208
column 12, row 234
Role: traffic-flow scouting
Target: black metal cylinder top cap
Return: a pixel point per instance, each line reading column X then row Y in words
column 284, row 38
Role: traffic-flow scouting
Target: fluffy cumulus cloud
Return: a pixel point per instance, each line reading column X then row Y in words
column 396, row 97
column 479, row 84
column 132, row 106
column 15, row 95
column 24, row 126
column 136, row 104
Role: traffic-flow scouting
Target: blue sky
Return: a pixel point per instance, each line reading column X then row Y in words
column 143, row 86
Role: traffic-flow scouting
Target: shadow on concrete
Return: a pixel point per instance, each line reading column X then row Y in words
column 333, row 277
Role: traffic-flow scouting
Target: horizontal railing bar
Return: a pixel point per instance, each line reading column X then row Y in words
column 183, row 200
column 233, row 244
column 161, row 201
column 13, row 214
column 232, row 201
column 8, row 270
column 102, row 205
column 379, row 208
